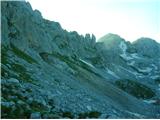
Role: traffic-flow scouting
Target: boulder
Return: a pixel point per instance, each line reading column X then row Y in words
column 35, row 115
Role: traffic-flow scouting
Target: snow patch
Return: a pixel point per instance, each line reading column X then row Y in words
column 112, row 73
column 145, row 70
column 155, row 67
column 124, row 56
column 140, row 76
column 87, row 63
column 150, row 101
column 135, row 55
column 131, row 72
column 89, row 108
column 159, row 87
column 136, row 114
column 131, row 63
column 123, row 46
column 154, row 77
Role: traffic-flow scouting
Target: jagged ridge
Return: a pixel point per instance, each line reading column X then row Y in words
column 53, row 73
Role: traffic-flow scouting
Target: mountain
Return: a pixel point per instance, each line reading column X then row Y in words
column 111, row 40
column 147, row 47
column 48, row 72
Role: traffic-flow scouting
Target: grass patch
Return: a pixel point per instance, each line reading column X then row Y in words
column 4, row 72
column 15, row 67
column 135, row 88
column 17, row 71
column 91, row 114
column 23, row 75
column 23, row 55
column 67, row 115
column 74, row 63
column 92, row 50
column 16, row 110
column 44, row 56
column 157, row 80
column 4, row 55
column 96, row 60
column 15, row 93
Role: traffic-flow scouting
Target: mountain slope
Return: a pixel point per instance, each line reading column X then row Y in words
column 47, row 72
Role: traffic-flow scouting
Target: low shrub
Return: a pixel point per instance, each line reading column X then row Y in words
column 67, row 115
column 157, row 80
column 22, row 54
column 91, row 114
column 135, row 88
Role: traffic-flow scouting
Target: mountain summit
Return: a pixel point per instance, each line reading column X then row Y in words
column 147, row 47
column 111, row 40
column 48, row 72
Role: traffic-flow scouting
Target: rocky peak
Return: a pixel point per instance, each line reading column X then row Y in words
column 147, row 47
column 48, row 72
column 40, row 34
column 111, row 40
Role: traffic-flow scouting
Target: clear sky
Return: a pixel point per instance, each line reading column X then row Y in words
column 131, row 19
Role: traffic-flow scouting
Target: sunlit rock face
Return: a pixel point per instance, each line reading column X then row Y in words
column 48, row 72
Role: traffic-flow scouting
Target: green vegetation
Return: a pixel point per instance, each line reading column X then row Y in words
column 4, row 72
column 14, row 68
column 17, row 71
column 22, row 55
column 16, row 106
column 94, row 114
column 19, row 112
column 92, row 50
column 135, row 88
column 68, row 115
column 63, row 45
column 97, row 60
column 20, row 108
column 44, row 56
column 74, row 63
column 4, row 55
column 16, row 109
column 91, row 114
column 83, row 115
column 86, row 67
column 22, row 72
column 157, row 80
column 38, row 107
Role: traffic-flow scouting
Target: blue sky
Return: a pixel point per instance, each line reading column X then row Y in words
column 131, row 19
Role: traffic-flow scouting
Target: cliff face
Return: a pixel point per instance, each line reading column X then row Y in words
column 47, row 72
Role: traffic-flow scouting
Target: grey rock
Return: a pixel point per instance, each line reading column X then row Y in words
column 75, row 73
column 147, row 47
column 36, row 115
column 89, row 108
column 13, row 80
column 8, row 104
